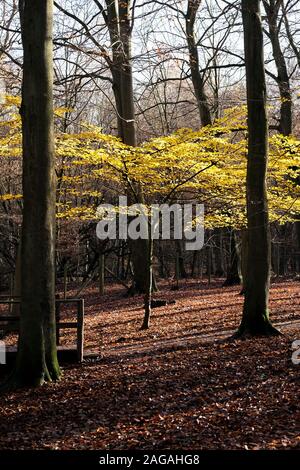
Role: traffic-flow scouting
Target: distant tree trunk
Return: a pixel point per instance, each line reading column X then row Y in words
column 233, row 276
column 65, row 278
column 209, row 263
column 194, row 262
column 197, row 77
column 218, row 252
column 255, row 320
column 123, row 255
column 182, row 274
column 17, row 281
column 148, row 293
column 244, row 258
column 297, row 231
column 101, row 269
column 161, row 259
column 282, row 250
column 37, row 355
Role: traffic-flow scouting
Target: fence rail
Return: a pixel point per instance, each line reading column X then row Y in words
column 78, row 325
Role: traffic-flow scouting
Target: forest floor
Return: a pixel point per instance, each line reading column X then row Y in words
column 180, row 385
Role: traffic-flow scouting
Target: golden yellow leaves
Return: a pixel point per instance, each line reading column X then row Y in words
column 11, row 197
column 208, row 164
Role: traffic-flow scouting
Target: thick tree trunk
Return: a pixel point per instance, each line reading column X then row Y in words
column 37, row 356
column 255, row 320
column 119, row 25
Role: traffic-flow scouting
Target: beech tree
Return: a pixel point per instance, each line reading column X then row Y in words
column 37, row 355
column 272, row 8
column 255, row 320
column 118, row 17
column 197, row 77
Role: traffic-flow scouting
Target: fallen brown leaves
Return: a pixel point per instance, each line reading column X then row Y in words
column 179, row 385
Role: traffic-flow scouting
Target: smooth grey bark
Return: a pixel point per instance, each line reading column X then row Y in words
column 37, row 355
column 255, row 319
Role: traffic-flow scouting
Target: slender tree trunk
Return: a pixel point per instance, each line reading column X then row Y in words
column 182, row 274
column 101, row 269
column 161, row 259
column 297, row 232
column 294, row 45
column 283, row 80
column 65, row 278
column 218, row 252
column 233, row 276
column 17, row 281
column 255, row 320
column 244, row 258
column 209, row 264
column 122, row 273
column 148, row 293
column 37, row 355
column 176, row 271
column 197, row 77
column 194, row 262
